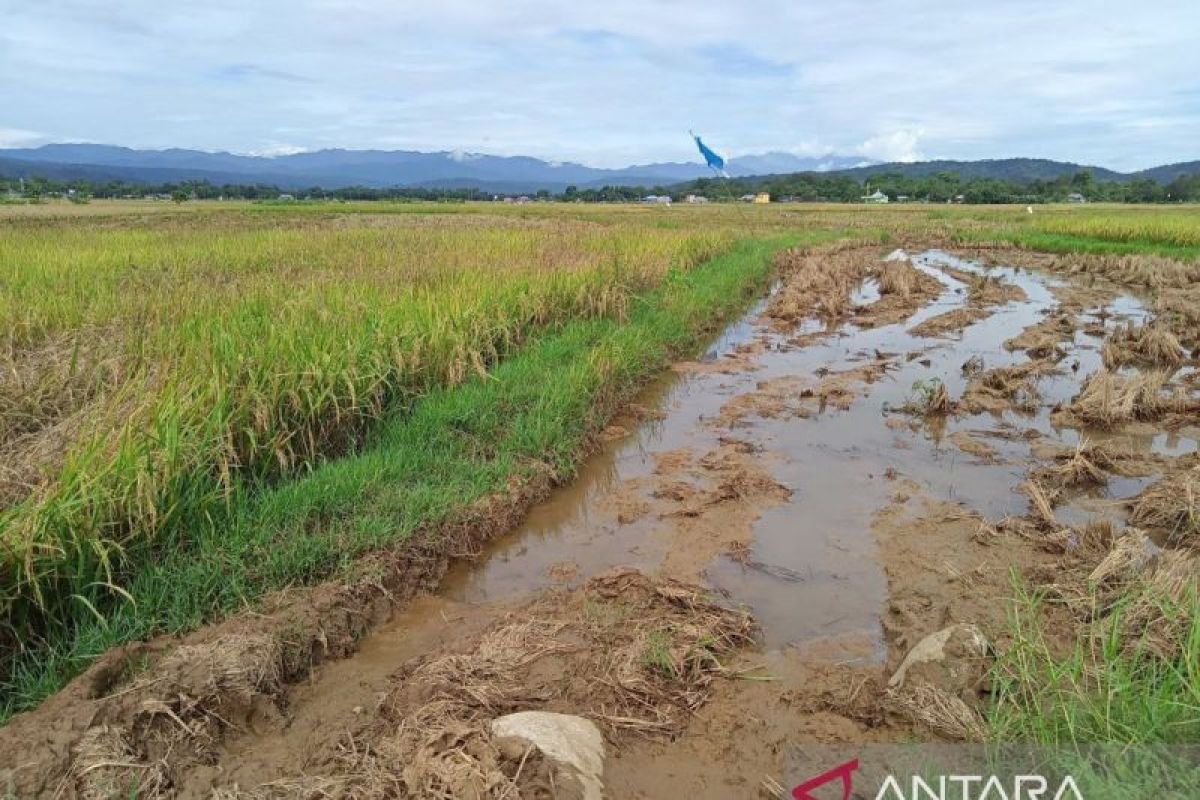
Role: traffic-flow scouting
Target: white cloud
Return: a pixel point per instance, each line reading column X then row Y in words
column 900, row 145
column 614, row 83
column 16, row 137
column 277, row 149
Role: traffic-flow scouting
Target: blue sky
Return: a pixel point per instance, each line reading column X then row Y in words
column 1110, row 83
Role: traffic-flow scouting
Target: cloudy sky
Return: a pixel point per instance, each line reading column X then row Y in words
column 614, row 82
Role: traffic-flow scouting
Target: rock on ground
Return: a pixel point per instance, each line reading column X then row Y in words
column 572, row 743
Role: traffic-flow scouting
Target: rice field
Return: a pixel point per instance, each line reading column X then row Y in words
column 155, row 358
column 1174, row 227
column 152, row 365
column 162, row 364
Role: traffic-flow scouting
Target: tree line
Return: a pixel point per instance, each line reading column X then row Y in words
column 940, row 187
column 945, row 187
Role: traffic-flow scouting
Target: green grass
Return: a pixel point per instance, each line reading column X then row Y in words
column 656, row 654
column 1172, row 231
column 1122, row 721
column 1094, row 245
column 1099, row 689
column 416, row 472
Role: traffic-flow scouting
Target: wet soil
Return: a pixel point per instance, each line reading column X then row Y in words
column 851, row 483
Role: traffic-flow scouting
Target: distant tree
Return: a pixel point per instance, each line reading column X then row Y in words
column 37, row 186
column 179, row 195
column 1144, row 190
column 1083, row 181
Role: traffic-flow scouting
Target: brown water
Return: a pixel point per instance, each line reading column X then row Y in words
column 813, row 574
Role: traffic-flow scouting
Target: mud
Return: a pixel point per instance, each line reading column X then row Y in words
column 802, row 473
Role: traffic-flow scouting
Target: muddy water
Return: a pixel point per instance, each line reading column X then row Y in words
column 812, row 575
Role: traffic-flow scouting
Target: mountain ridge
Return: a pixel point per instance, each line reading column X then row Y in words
column 337, row 168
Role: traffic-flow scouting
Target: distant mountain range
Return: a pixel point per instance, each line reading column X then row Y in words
column 332, row 169
column 1024, row 169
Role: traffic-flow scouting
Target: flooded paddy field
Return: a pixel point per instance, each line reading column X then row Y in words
column 743, row 566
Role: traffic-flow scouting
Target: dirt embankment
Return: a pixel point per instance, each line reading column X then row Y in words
column 664, row 658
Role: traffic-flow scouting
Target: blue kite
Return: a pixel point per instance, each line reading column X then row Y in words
column 711, row 158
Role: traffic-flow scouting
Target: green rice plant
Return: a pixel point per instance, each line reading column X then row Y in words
column 203, row 354
column 531, row 417
column 1178, row 227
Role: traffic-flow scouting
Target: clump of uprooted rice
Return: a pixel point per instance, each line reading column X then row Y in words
column 938, row 710
column 1180, row 310
column 1132, row 588
column 1088, row 464
column 1151, row 344
column 175, row 715
column 1129, row 553
column 1110, row 398
column 1142, row 590
column 1150, row 271
column 1041, row 341
column 1172, row 504
column 897, row 277
column 631, row 653
column 928, row 398
column 1001, row 388
column 991, row 290
column 818, row 282
column 107, row 764
column 1159, row 619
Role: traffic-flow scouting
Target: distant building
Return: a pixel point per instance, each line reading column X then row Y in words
column 695, row 198
column 523, row 199
column 762, row 198
column 286, row 197
column 901, row 198
column 657, row 199
column 875, row 197
column 1076, row 197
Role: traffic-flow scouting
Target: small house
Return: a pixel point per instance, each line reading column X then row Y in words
column 762, row 198
column 875, row 197
column 1076, row 197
